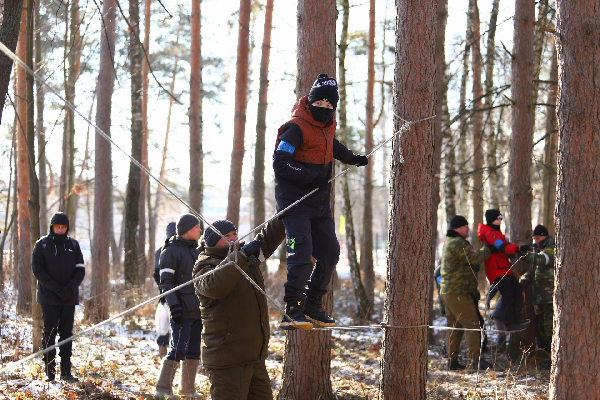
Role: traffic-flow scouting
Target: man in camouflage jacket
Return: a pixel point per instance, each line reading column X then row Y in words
column 459, row 282
column 542, row 277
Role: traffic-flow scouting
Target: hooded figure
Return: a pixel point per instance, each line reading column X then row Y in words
column 57, row 263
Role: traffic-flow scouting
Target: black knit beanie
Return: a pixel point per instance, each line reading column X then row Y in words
column 491, row 215
column 540, row 230
column 458, row 221
column 171, row 229
column 59, row 218
column 324, row 88
column 186, row 222
column 211, row 237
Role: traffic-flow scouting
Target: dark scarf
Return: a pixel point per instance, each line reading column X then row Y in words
column 452, row 233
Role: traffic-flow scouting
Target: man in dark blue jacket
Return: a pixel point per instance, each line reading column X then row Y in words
column 163, row 340
column 57, row 263
column 176, row 263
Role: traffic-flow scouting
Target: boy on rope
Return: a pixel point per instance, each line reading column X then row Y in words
column 303, row 161
column 176, row 263
column 57, row 263
column 498, row 270
column 162, row 340
column 235, row 315
column 542, row 277
column 458, row 289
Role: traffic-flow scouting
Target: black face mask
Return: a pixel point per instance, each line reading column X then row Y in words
column 321, row 114
column 60, row 239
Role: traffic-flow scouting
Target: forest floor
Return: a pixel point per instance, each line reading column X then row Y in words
column 120, row 361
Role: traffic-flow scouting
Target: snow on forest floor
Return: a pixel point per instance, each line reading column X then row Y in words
column 120, row 361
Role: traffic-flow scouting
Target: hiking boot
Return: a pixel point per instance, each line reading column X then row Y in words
column 480, row 364
column 68, row 378
column 295, row 310
column 453, row 365
column 314, row 312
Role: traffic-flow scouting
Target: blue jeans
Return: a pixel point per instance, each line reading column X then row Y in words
column 185, row 339
column 308, row 237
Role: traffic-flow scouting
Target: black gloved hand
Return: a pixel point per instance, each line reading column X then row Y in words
column 492, row 248
column 360, row 160
column 253, row 248
column 320, row 182
column 65, row 293
column 175, row 311
column 525, row 248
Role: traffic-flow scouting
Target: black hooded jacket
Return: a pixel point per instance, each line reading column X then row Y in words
column 57, row 267
column 176, row 263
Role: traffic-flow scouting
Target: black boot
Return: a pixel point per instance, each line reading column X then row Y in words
column 295, row 310
column 480, row 364
column 50, row 370
column 314, row 312
column 453, row 365
column 65, row 371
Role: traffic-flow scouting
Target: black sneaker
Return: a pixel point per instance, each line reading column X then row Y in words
column 294, row 309
column 69, row 378
column 453, row 365
column 314, row 312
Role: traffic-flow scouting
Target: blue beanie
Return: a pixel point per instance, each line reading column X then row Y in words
column 171, row 229
column 186, row 222
column 223, row 226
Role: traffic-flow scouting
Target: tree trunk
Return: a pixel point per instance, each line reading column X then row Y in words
column 476, row 119
column 462, row 200
column 551, row 144
column 258, row 192
column 366, row 251
column 196, row 124
column 34, row 188
column 7, row 224
column 576, row 343
column 363, row 309
column 24, row 262
column 99, row 304
column 9, row 34
column 133, row 184
column 490, row 56
column 440, row 76
column 404, row 351
column 306, row 369
column 519, row 164
column 143, row 268
column 40, row 130
column 239, row 124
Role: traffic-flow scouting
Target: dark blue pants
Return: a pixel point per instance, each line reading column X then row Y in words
column 58, row 319
column 308, row 237
column 185, row 339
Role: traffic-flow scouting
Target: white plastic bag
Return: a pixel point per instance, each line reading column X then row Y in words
column 161, row 319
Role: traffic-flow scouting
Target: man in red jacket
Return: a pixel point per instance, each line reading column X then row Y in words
column 498, row 269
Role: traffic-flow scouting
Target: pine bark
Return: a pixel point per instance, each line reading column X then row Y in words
column 462, row 200
column 306, row 369
column 519, row 164
column 40, row 129
column 196, row 125
column 258, row 191
column 133, row 184
column 576, row 343
column 404, row 351
column 477, row 118
column 24, row 282
column 9, row 35
column 99, row 304
column 239, row 125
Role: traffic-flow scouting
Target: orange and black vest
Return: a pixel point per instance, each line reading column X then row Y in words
column 317, row 138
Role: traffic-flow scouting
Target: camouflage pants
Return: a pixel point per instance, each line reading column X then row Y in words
column 461, row 313
column 544, row 317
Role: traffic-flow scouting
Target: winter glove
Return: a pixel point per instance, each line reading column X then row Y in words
column 492, row 248
column 525, row 248
column 241, row 260
column 175, row 310
column 253, row 248
column 360, row 160
column 65, row 293
column 320, row 182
